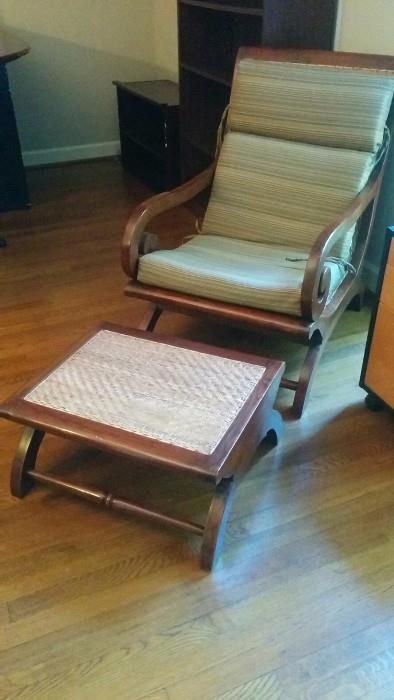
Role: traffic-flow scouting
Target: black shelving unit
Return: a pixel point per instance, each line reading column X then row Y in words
column 149, row 131
column 210, row 33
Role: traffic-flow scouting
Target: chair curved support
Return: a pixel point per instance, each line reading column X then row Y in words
column 136, row 241
column 316, row 283
column 321, row 302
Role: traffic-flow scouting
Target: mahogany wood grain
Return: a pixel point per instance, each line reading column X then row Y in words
column 247, row 317
column 309, row 333
column 97, row 605
column 313, row 302
column 216, row 522
column 319, row 311
column 25, row 461
column 337, row 59
column 145, row 212
column 149, row 450
column 362, row 210
column 150, row 318
column 115, row 503
column 231, row 456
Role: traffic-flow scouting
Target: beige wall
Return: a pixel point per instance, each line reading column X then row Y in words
column 367, row 26
column 166, row 36
column 62, row 90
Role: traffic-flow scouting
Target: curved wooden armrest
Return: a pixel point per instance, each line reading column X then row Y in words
column 317, row 277
column 316, row 283
column 133, row 242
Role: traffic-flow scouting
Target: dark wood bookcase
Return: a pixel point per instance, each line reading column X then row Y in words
column 210, row 33
column 149, row 131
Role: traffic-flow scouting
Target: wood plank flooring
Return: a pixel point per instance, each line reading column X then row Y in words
column 94, row 605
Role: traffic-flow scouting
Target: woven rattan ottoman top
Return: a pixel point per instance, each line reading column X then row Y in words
column 148, row 395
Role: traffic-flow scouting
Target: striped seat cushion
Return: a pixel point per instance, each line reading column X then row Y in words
column 281, row 192
column 301, row 143
column 324, row 105
column 235, row 271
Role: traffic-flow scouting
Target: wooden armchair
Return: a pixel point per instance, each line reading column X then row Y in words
column 293, row 194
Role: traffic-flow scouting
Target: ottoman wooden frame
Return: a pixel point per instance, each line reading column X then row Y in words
column 223, row 467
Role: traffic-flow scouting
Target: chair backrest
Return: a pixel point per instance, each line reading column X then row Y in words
column 302, row 134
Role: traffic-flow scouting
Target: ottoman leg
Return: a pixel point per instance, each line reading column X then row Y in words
column 215, row 524
column 25, row 459
column 273, row 430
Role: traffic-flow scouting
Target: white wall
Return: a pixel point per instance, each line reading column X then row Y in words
column 166, row 36
column 63, row 93
column 367, row 26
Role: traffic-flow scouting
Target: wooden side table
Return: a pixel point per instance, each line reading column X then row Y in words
column 149, row 131
column 168, row 403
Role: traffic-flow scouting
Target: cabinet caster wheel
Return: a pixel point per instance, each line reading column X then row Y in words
column 374, row 403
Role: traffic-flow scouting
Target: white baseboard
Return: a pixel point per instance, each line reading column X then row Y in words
column 370, row 275
column 86, row 151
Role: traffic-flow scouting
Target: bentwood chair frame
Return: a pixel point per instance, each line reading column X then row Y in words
column 319, row 312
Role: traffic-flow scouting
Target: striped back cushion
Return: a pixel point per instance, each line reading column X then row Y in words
column 282, row 192
column 324, row 105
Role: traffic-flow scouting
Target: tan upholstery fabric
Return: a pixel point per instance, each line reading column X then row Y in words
column 301, row 144
column 282, row 192
column 175, row 395
column 235, row 271
column 346, row 108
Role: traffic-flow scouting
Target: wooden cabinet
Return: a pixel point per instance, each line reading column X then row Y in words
column 210, row 34
column 377, row 375
column 149, row 131
column 13, row 187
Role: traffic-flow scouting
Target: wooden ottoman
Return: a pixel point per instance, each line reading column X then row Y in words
column 166, row 402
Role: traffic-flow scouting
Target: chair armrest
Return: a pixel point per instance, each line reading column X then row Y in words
column 317, row 276
column 135, row 240
column 316, row 283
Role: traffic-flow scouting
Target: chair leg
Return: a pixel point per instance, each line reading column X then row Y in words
column 150, row 318
column 25, row 460
column 215, row 524
column 313, row 357
column 304, row 384
column 357, row 302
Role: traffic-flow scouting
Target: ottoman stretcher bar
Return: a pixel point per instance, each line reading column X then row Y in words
column 166, row 402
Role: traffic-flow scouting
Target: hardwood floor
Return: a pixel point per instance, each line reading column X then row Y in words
column 97, row 605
